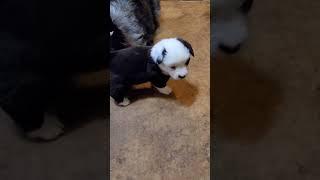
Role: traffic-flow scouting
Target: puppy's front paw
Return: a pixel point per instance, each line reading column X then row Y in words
column 165, row 90
column 125, row 102
column 50, row 130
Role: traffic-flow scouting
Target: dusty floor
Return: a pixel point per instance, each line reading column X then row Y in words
column 158, row 137
column 267, row 97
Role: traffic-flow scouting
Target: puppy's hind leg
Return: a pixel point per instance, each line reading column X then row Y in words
column 117, row 92
column 119, row 97
column 125, row 102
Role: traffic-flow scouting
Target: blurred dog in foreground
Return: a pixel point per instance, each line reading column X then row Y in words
column 43, row 45
column 230, row 24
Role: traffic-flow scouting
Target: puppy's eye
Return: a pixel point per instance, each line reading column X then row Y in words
column 173, row 67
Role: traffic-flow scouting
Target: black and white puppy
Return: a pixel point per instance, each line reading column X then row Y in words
column 136, row 19
column 155, row 64
column 230, row 24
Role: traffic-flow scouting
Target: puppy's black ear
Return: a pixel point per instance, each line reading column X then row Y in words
column 187, row 45
column 161, row 57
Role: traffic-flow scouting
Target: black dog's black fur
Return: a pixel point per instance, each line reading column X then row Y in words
column 117, row 39
column 42, row 45
column 146, row 13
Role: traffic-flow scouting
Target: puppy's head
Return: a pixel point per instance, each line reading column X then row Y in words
column 172, row 56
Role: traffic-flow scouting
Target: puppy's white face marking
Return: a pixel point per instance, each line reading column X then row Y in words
column 176, row 58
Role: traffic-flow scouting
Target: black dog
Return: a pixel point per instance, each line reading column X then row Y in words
column 42, row 45
column 138, row 20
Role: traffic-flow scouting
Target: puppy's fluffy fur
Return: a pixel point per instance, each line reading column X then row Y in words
column 136, row 19
column 230, row 24
column 42, row 45
column 135, row 65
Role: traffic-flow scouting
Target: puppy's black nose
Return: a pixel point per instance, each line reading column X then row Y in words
column 181, row 77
